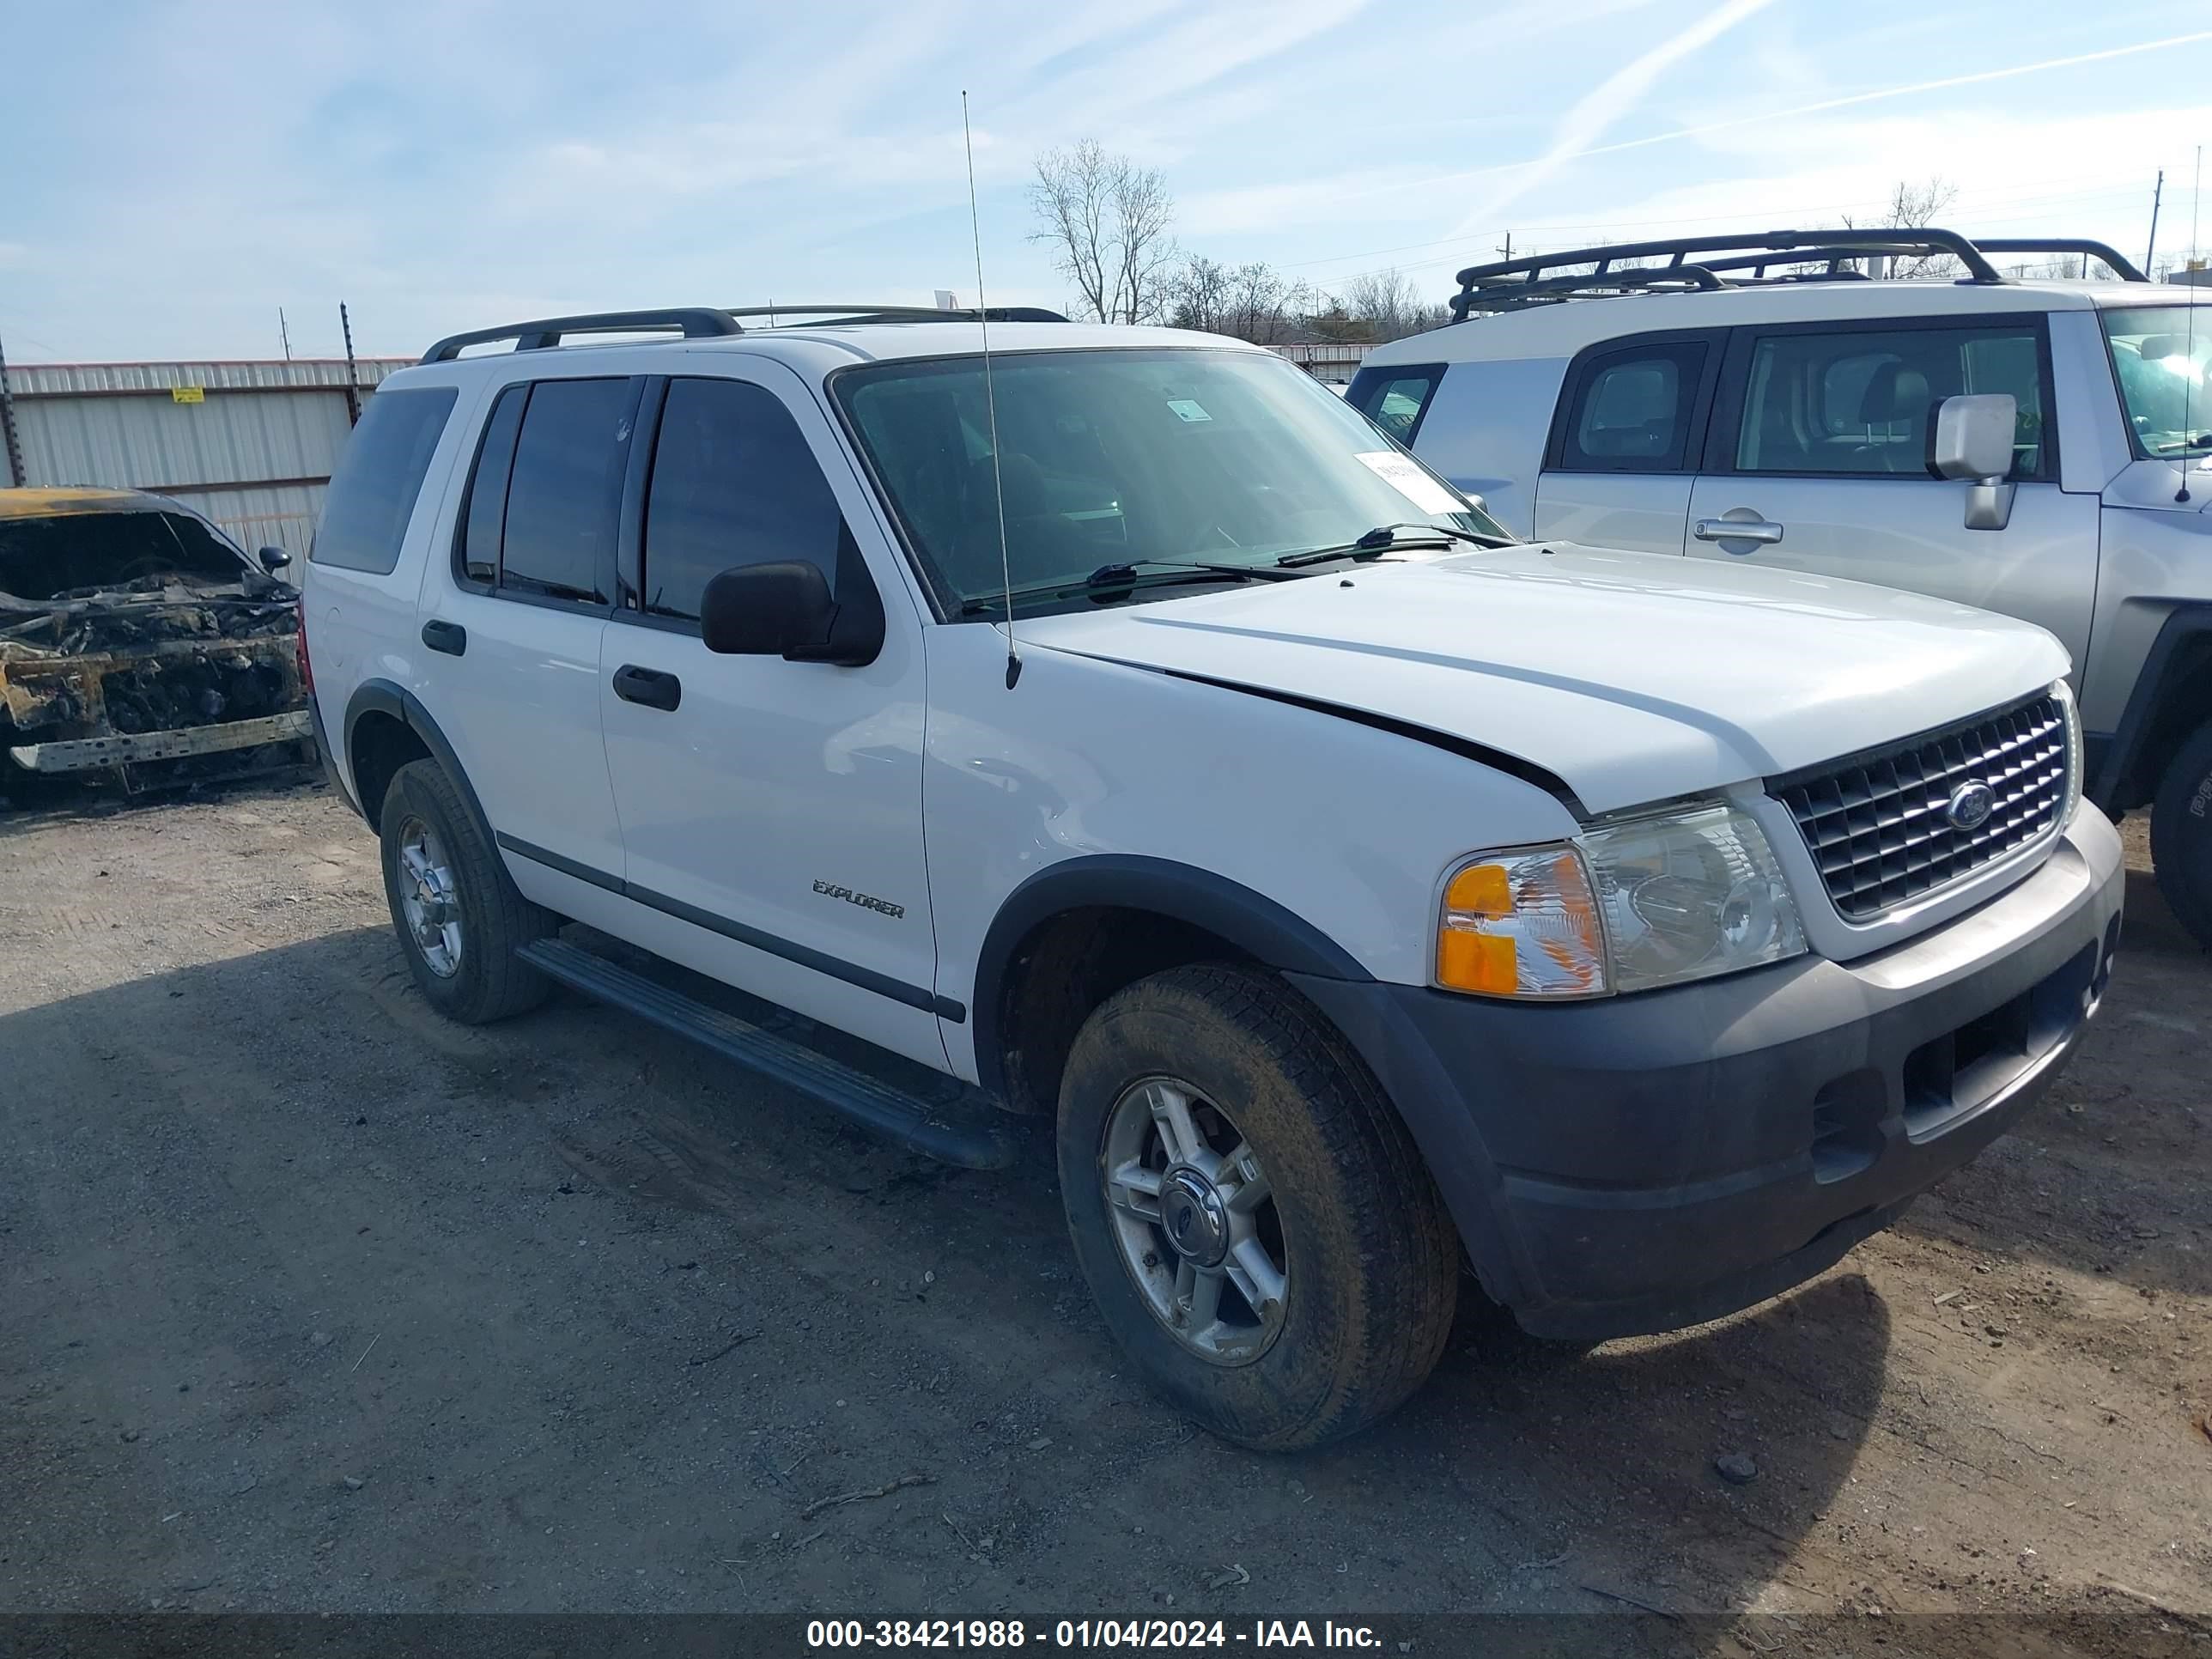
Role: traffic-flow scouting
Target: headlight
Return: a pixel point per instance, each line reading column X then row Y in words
column 2062, row 694
column 1628, row 905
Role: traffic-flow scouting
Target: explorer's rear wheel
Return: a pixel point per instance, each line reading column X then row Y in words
column 458, row 913
column 1254, row 1220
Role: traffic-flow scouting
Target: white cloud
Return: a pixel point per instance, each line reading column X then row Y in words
column 1614, row 99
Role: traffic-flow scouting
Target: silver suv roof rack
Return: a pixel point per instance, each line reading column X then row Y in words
column 704, row 322
column 1742, row 260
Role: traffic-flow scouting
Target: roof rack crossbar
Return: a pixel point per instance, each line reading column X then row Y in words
column 893, row 313
column 1779, row 247
column 2118, row 262
column 695, row 322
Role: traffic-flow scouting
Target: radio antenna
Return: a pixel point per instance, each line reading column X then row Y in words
column 990, row 400
column 2188, row 351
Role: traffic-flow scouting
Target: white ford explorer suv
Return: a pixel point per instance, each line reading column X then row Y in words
column 1356, row 889
column 1756, row 400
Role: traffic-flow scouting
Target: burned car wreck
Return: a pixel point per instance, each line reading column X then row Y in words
column 136, row 641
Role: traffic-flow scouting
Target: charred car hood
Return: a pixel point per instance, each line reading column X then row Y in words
column 143, row 613
column 1632, row 678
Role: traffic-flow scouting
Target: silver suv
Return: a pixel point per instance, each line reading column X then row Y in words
column 1758, row 400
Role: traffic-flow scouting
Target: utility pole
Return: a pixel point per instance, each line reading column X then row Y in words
column 284, row 331
column 16, row 476
column 353, row 381
column 1507, row 249
column 2150, row 248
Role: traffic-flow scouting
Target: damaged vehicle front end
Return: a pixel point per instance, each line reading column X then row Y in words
column 138, row 641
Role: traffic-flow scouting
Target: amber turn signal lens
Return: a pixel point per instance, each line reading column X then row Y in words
column 1521, row 924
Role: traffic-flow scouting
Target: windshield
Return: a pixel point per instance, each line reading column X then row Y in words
column 1129, row 458
column 69, row 555
column 2160, row 358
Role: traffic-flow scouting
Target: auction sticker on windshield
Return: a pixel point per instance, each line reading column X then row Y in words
column 1409, row 481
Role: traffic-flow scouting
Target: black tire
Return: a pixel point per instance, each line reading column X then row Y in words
column 486, row 982
column 2181, row 834
column 1370, row 1253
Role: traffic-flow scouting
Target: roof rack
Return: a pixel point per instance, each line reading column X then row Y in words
column 2118, row 262
column 1548, row 278
column 846, row 315
column 695, row 322
column 706, row 322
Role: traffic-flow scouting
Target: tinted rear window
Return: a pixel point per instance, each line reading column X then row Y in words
column 373, row 494
column 1395, row 399
column 565, row 493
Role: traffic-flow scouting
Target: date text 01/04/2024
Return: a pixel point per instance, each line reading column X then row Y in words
column 830, row 1633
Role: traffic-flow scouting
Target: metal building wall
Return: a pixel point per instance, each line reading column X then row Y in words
column 253, row 451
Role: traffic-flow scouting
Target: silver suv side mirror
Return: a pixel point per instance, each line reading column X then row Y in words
column 1972, row 439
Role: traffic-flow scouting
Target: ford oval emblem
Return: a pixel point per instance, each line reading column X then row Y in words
column 1970, row 806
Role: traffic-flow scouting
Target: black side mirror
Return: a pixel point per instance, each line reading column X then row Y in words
column 779, row 610
column 785, row 609
column 274, row 559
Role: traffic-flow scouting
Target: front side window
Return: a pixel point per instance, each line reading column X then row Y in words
column 1119, row 458
column 565, row 494
column 372, row 496
column 2159, row 358
column 734, row 483
column 1860, row 402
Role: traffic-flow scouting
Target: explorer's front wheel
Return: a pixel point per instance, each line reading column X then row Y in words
column 1254, row 1220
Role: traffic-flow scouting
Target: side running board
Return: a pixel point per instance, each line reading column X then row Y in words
column 955, row 1125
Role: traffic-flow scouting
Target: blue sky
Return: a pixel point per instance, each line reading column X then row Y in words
column 173, row 174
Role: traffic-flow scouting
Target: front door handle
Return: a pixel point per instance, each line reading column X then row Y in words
column 1730, row 527
column 451, row 638
column 648, row 686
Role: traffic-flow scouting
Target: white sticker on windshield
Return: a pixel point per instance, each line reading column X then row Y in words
column 1188, row 408
column 1409, row 481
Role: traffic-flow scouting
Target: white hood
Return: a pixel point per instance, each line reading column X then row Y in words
column 1633, row 677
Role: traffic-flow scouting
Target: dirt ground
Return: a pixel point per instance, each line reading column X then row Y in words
column 310, row 1301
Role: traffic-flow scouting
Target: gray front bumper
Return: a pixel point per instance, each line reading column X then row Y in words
column 1650, row 1161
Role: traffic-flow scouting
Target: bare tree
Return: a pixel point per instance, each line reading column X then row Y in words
column 1106, row 220
column 1251, row 301
column 1915, row 207
column 1389, row 305
column 1201, row 295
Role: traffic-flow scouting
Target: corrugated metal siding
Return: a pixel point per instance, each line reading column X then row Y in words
column 255, row 454
column 152, row 443
column 284, row 516
column 47, row 380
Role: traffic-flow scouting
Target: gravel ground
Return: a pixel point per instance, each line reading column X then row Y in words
column 313, row 1302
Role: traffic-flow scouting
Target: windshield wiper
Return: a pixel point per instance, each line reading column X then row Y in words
column 1138, row 572
column 1384, row 537
column 2180, row 445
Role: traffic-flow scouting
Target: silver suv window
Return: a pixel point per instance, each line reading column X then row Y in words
column 1859, row 402
column 2159, row 354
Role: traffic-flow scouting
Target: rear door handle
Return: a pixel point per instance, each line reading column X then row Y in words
column 648, row 686
column 1726, row 529
column 451, row 638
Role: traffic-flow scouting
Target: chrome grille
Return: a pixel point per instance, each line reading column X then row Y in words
column 1878, row 824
